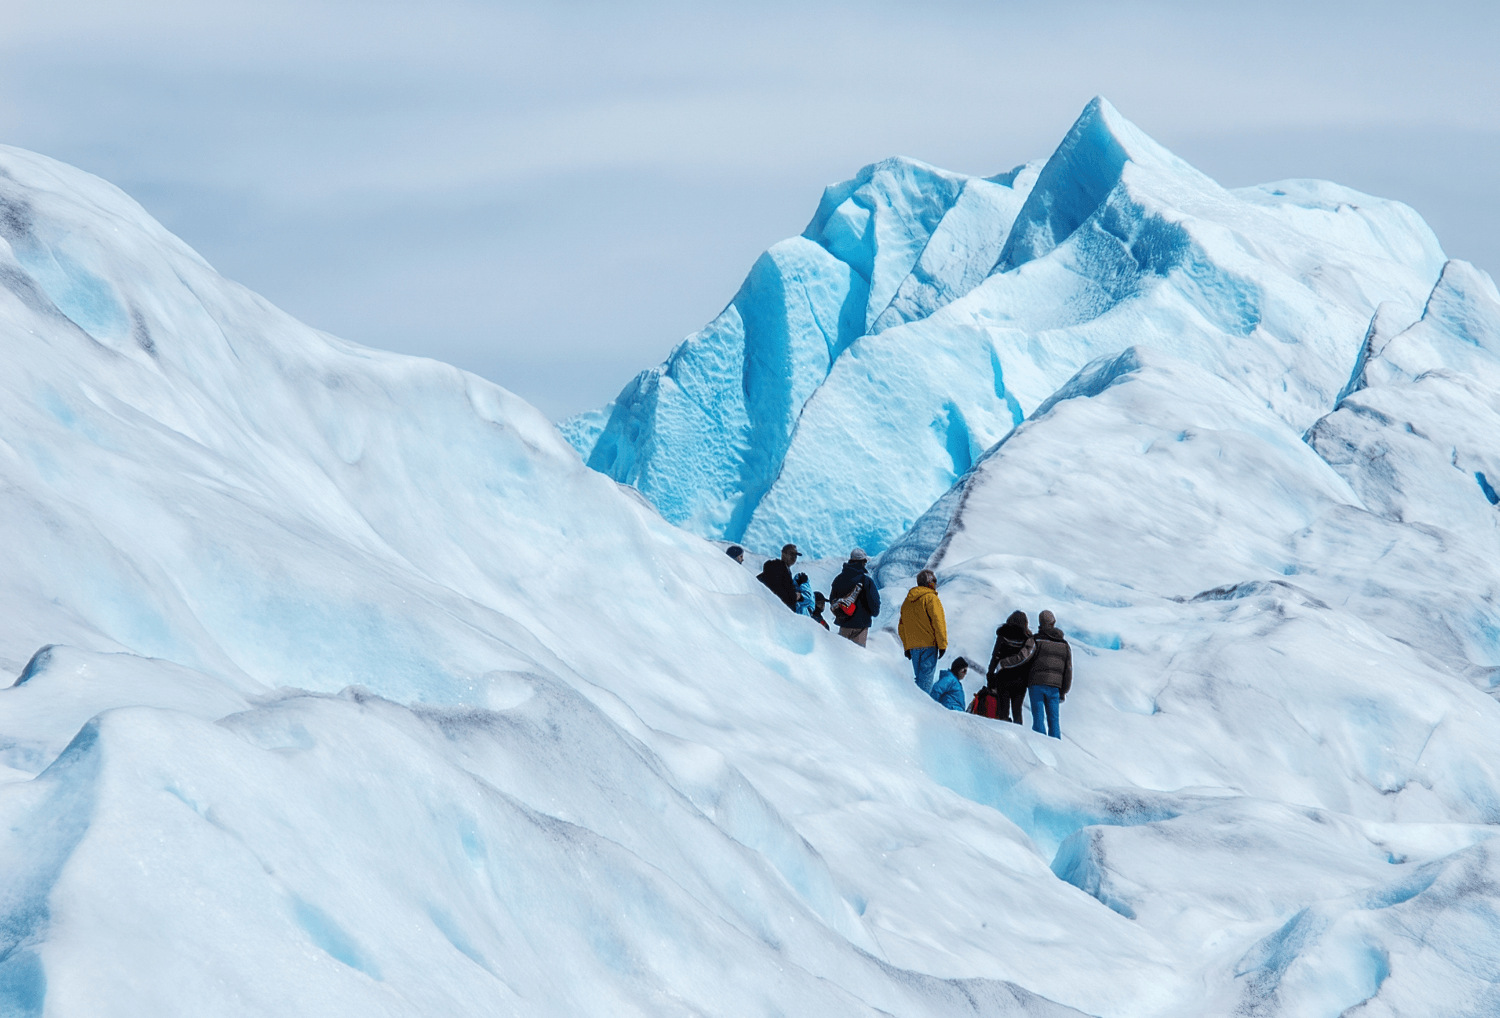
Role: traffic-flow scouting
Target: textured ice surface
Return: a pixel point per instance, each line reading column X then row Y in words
column 578, row 751
column 344, row 687
column 922, row 315
column 1302, row 630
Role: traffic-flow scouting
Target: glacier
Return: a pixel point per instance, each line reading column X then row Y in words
column 865, row 365
column 343, row 685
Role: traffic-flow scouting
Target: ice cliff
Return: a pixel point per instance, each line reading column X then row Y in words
column 865, row 365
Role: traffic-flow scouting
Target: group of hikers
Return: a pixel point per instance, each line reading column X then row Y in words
column 852, row 596
column 1022, row 664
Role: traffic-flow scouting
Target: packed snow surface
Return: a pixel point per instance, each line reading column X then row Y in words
column 344, row 687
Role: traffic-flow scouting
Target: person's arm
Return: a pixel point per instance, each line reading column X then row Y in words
column 939, row 625
column 872, row 596
column 786, row 586
column 1067, row 678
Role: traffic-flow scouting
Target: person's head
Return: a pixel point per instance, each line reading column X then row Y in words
column 735, row 552
column 958, row 667
column 800, row 578
column 789, row 553
column 820, row 598
column 1017, row 619
column 927, row 578
column 858, row 556
column 1046, row 620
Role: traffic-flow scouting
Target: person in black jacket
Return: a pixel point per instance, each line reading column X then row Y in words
column 1051, row 674
column 854, row 580
column 776, row 574
column 1010, row 665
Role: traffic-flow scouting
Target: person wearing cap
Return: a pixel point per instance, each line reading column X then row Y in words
column 776, row 574
column 923, row 629
column 1051, row 675
column 735, row 552
column 948, row 690
column 820, row 601
column 854, row 588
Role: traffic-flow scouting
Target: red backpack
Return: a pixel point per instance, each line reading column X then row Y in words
column 986, row 703
column 843, row 608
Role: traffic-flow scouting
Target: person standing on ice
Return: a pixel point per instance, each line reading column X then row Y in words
column 1051, row 674
column 854, row 599
column 776, row 574
column 948, row 690
column 1010, row 665
column 923, row 629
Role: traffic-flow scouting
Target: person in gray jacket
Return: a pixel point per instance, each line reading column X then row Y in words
column 1051, row 675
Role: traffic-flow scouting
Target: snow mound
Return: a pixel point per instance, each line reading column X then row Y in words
column 613, row 787
column 1304, row 629
column 866, row 365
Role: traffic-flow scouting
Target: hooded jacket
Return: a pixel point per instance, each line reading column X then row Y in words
column 1013, row 657
column 1053, row 662
column 948, row 691
column 805, row 600
column 922, row 622
column 866, row 606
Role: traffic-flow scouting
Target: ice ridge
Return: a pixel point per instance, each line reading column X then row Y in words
column 866, row 364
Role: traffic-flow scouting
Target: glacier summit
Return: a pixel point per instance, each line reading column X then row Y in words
column 864, row 366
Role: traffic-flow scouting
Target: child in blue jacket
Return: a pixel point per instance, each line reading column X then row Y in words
column 805, row 603
column 948, row 690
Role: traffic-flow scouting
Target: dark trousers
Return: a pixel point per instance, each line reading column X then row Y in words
column 1016, row 698
column 1011, row 699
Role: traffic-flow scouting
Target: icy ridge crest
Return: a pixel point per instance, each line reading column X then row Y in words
column 867, row 364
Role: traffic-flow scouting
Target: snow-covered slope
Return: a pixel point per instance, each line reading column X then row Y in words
column 344, row 687
column 1310, row 629
column 878, row 403
column 218, row 518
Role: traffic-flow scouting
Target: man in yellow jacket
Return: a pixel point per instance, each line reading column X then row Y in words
column 924, row 631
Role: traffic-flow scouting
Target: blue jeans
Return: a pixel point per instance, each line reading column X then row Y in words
column 1045, row 698
column 924, row 663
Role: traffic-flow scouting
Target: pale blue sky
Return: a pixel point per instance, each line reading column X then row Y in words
column 551, row 195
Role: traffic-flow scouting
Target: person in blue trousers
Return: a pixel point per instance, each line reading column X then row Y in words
column 923, row 629
column 948, row 690
column 1051, row 675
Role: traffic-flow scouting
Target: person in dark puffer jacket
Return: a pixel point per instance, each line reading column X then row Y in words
column 855, row 627
column 1010, row 665
column 776, row 574
column 1051, row 675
